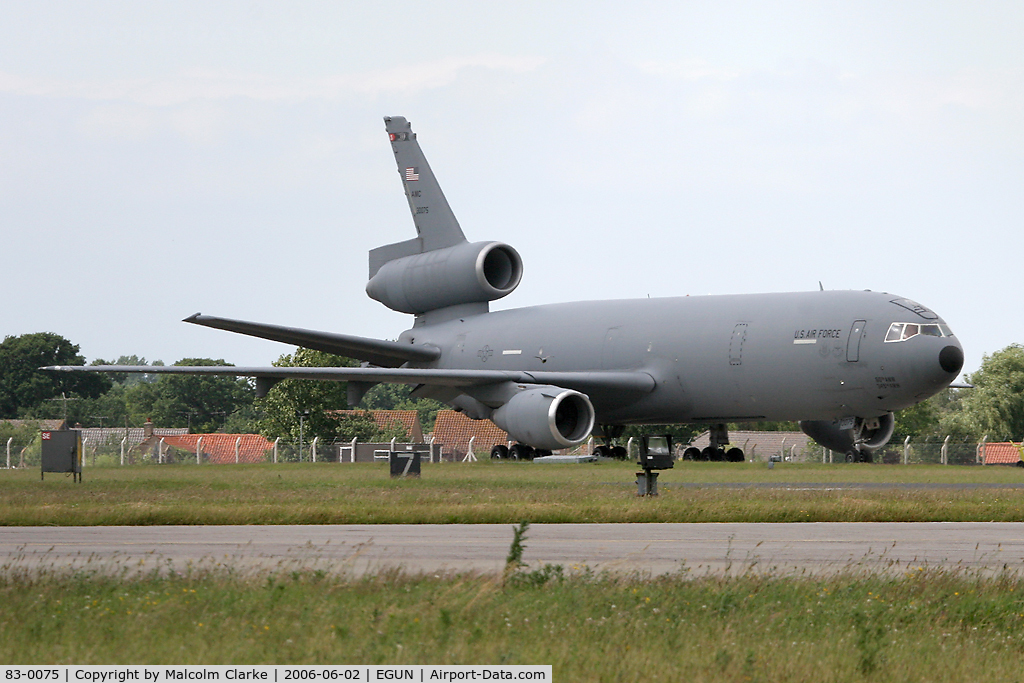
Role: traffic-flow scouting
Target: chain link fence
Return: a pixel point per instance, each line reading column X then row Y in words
column 115, row 452
column 908, row 451
column 929, row 452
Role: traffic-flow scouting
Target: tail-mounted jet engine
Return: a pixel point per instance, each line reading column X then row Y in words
column 547, row 417
column 470, row 272
column 858, row 441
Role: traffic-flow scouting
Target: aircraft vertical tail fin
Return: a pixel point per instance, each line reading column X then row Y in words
column 436, row 225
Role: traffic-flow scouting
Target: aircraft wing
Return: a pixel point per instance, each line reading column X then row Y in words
column 380, row 352
column 585, row 382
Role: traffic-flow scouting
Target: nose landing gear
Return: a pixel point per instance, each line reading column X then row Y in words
column 858, row 455
column 862, row 434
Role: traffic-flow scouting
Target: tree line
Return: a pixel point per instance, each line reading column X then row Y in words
column 203, row 404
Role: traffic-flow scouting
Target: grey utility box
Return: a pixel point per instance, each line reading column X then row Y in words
column 62, row 452
column 404, row 463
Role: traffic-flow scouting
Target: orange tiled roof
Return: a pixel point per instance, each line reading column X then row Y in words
column 1000, row 453
column 111, row 436
column 220, row 448
column 409, row 419
column 454, row 430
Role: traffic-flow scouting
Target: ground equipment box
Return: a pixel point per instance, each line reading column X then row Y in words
column 62, row 452
column 404, row 463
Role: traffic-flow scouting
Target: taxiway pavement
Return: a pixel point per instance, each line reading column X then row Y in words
column 817, row 548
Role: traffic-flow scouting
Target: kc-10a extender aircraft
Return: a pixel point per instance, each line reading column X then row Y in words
column 840, row 362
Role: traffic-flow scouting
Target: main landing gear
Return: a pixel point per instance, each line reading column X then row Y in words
column 518, row 451
column 716, row 451
column 615, row 452
column 607, row 450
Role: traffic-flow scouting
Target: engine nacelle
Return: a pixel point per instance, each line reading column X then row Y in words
column 866, row 434
column 464, row 274
column 547, row 417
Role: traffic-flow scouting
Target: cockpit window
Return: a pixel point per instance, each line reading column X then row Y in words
column 904, row 331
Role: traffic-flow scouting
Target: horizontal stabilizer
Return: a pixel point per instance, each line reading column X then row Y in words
column 387, row 354
column 390, row 252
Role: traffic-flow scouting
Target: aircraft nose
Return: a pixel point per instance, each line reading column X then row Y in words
column 951, row 359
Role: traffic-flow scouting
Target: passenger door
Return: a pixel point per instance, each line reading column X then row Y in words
column 853, row 343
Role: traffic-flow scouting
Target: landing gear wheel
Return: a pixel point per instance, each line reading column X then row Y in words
column 734, row 455
column 603, row 452
column 860, row 456
column 707, row 454
column 691, row 453
column 499, row 452
column 520, row 451
column 619, row 453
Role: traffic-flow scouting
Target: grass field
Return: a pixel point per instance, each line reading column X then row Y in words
column 504, row 492
column 924, row 626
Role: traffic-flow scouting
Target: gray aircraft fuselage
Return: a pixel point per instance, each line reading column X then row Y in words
column 728, row 358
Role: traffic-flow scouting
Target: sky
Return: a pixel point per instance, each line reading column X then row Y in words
column 164, row 158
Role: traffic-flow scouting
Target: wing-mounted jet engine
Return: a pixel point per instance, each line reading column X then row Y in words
column 548, row 418
column 856, row 438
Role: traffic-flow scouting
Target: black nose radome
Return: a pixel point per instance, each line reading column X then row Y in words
column 951, row 359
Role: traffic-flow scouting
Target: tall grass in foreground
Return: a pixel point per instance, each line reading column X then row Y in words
column 332, row 493
column 925, row 625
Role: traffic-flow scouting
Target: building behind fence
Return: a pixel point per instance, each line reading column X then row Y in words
column 762, row 445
